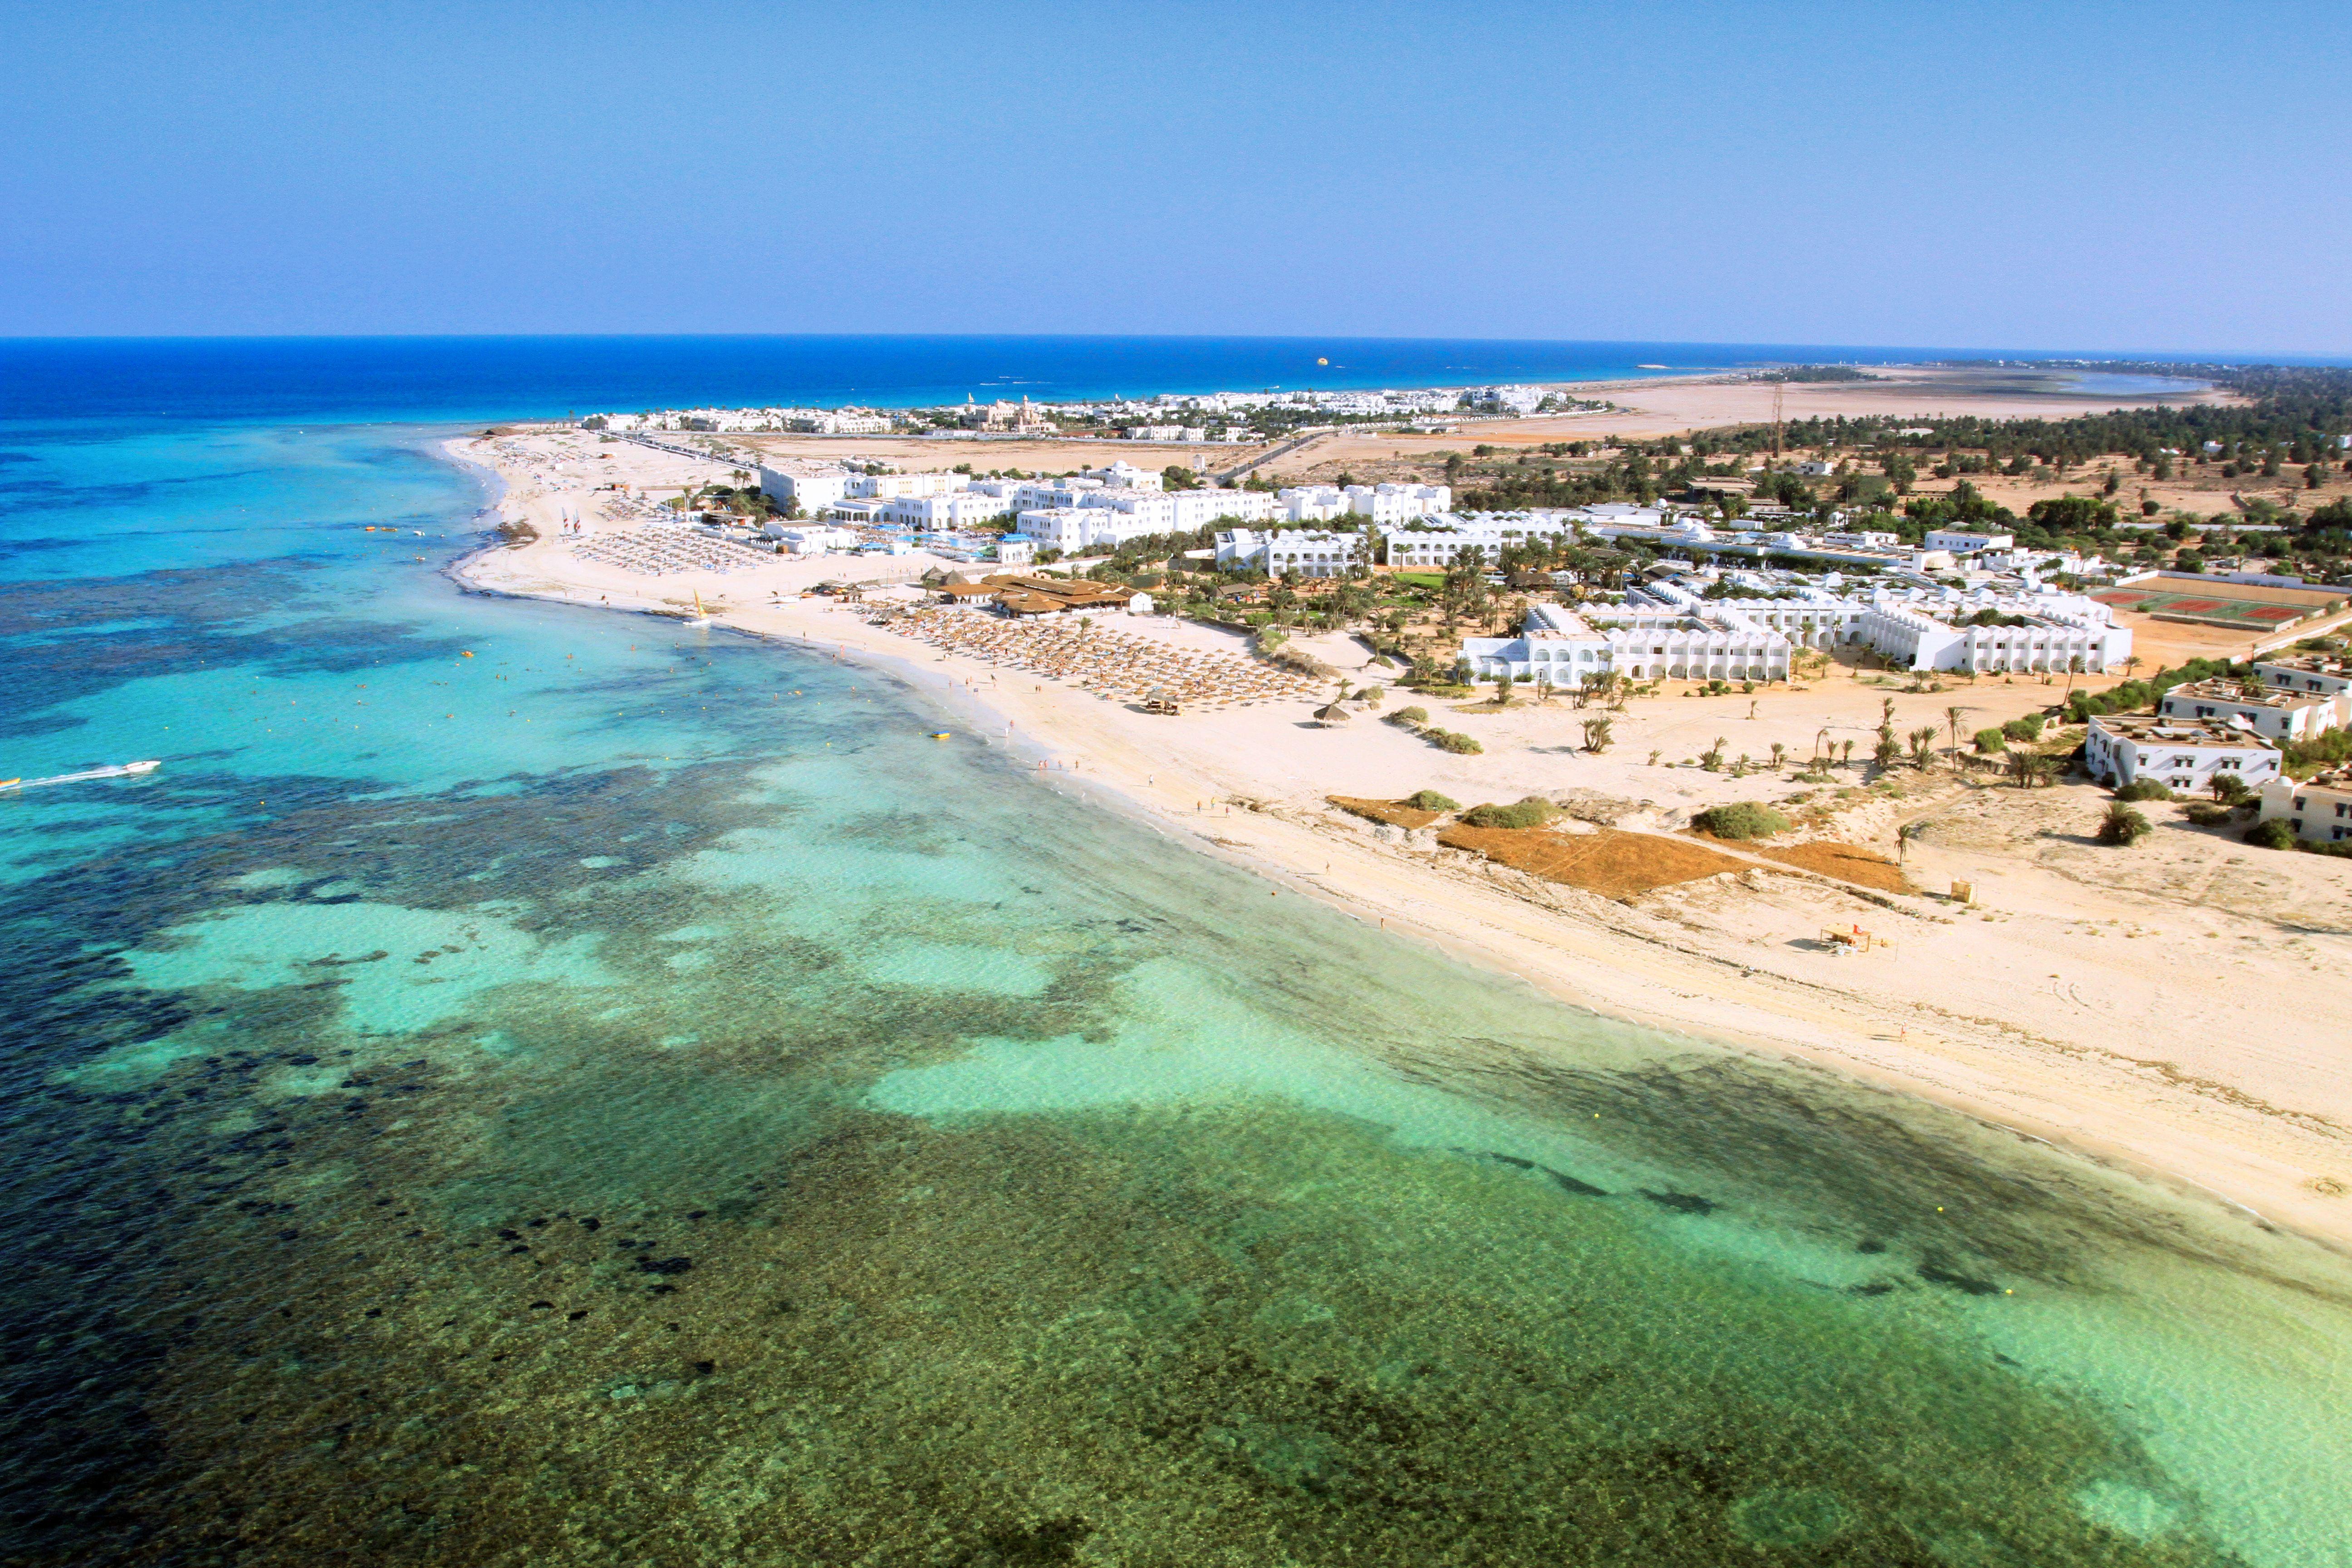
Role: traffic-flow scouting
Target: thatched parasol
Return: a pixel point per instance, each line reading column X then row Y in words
column 1334, row 714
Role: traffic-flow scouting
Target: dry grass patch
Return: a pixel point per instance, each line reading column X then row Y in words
column 1395, row 812
column 1615, row 864
column 1846, row 862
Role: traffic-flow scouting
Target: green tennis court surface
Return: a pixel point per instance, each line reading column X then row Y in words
column 2251, row 615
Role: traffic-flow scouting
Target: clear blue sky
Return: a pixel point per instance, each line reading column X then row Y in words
column 2059, row 175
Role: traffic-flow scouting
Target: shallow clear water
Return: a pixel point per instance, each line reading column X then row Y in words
column 529, row 1085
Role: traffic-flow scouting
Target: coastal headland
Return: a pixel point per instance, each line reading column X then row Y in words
column 2169, row 1008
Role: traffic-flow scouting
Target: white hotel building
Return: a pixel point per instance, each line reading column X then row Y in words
column 2276, row 711
column 1933, row 634
column 2305, row 672
column 814, row 486
column 2180, row 754
column 2318, row 808
column 1383, row 505
column 1308, row 552
column 1716, row 644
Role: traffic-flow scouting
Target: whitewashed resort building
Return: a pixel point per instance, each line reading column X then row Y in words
column 2182, row 755
column 1562, row 645
column 2318, row 808
column 2276, row 711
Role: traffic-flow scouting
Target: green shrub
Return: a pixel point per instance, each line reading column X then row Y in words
column 1451, row 741
column 1990, row 743
column 1743, row 819
column 2026, row 729
column 1409, row 717
column 2143, row 789
column 2123, row 825
column 2207, row 814
column 1531, row 812
column 2272, row 834
column 1430, row 800
column 2306, row 757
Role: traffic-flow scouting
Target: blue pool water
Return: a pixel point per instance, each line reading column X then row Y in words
column 526, row 1085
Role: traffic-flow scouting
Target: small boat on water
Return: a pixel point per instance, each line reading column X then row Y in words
column 701, row 618
column 119, row 771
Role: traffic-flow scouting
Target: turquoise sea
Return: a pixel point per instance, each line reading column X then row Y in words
column 524, row 1085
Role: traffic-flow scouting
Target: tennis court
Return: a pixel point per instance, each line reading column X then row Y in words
column 2248, row 613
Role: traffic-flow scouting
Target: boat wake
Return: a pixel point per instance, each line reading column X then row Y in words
column 119, row 771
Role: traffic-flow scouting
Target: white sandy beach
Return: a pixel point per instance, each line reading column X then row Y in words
column 2169, row 1008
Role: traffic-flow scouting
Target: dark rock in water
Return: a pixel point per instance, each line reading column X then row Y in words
column 1934, row 1274
column 1570, row 1184
column 1512, row 1160
column 705, row 1367
column 590, row 1222
column 575, row 1317
column 542, row 1306
column 664, row 1265
column 1876, row 1288
column 1681, row 1202
column 1056, row 1540
column 1870, row 1245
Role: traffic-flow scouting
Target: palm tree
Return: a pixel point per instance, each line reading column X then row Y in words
column 1848, row 758
column 1543, row 686
column 1952, row 719
column 1922, row 746
column 2074, row 668
column 1779, row 752
column 1596, row 734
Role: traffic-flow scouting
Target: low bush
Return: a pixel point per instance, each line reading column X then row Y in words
column 1409, row 717
column 2026, row 729
column 1430, row 800
column 2143, row 789
column 1990, row 742
column 2308, row 756
column 2272, row 834
column 1532, row 812
column 2206, row 813
column 1743, row 819
column 2123, row 825
column 1453, row 741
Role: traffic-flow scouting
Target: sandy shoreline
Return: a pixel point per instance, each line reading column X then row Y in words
column 2124, row 1052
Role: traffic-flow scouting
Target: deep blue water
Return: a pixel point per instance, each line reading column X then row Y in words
column 523, row 1084
column 467, row 379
